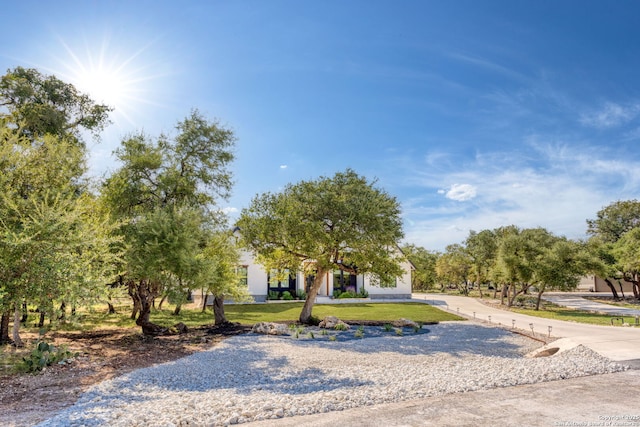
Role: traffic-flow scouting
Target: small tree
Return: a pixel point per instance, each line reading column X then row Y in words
column 454, row 267
column 342, row 222
column 424, row 276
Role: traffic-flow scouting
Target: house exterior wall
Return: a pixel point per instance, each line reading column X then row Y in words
column 257, row 281
column 257, row 277
column 597, row 284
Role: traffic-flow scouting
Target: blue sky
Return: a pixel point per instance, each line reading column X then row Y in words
column 474, row 114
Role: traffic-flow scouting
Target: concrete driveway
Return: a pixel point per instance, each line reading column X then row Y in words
column 618, row 343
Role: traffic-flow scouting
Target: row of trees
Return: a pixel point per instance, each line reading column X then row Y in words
column 519, row 260
column 152, row 228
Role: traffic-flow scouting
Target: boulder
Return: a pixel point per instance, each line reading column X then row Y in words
column 330, row 322
column 401, row 323
column 267, row 328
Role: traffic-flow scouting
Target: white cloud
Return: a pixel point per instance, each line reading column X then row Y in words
column 283, row 166
column 230, row 210
column 461, row 192
column 610, row 115
column 559, row 189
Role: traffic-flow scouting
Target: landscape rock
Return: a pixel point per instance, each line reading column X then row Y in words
column 267, row 328
column 401, row 323
column 330, row 322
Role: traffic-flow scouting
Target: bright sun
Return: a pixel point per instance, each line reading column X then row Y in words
column 108, row 76
column 104, row 85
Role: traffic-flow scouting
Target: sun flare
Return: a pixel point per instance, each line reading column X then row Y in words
column 104, row 85
column 110, row 75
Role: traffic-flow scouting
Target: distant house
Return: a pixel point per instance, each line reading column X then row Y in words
column 597, row 284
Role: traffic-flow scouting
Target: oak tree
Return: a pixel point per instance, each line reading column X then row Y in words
column 342, row 222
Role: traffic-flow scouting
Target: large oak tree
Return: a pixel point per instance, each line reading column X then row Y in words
column 339, row 223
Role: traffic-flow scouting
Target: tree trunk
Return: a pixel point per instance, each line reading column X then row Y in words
column 161, row 302
column 176, row 311
column 41, row 320
column 621, row 291
column 17, row 341
column 4, row 328
column 204, row 300
column 305, row 314
column 145, row 292
column 63, row 311
column 131, row 290
column 504, row 293
column 25, row 313
column 636, row 288
column 613, row 289
column 112, row 309
column 538, row 300
column 218, row 310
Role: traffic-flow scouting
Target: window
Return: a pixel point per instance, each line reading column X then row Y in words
column 344, row 281
column 282, row 280
column 242, row 271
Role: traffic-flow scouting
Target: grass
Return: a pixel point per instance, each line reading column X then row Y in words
column 570, row 315
column 382, row 312
column 247, row 314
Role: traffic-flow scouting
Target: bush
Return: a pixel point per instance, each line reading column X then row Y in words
column 301, row 295
column 45, row 354
column 286, row 295
column 363, row 293
column 341, row 327
column 273, row 295
column 336, row 293
column 347, row 295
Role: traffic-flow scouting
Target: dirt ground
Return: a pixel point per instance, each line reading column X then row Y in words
column 26, row 399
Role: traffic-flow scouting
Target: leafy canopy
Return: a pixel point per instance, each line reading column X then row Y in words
column 37, row 105
column 343, row 222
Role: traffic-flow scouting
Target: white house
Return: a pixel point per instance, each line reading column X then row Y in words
column 261, row 282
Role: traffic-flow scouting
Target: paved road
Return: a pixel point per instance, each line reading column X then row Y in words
column 592, row 401
column 618, row 343
column 579, row 303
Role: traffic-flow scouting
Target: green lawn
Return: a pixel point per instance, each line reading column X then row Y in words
column 248, row 314
column 383, row 312
column 570, row 315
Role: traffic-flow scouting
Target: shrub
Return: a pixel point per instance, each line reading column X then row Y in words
column 347, row 294
column 273, row 295
column 286, row 295
column 45, row 354
column 301, row 295
column 341, row 327
column 336, row 293
column 387, row 327
column 363, row 293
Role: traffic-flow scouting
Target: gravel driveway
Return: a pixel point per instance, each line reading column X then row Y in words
column 250, row 377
